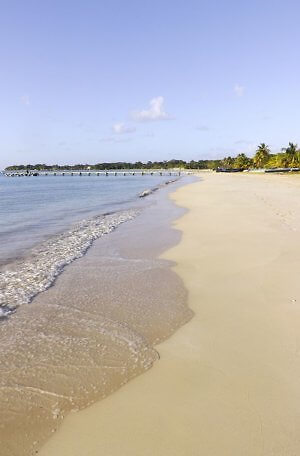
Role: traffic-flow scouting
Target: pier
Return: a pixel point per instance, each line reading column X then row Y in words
column 29, row 173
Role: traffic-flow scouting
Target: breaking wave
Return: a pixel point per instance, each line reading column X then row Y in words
column 23, row 280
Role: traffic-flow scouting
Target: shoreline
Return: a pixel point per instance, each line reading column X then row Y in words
column 32, row 217
column 227, row 382
column 93, row 330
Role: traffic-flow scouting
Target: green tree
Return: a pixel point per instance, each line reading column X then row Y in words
column 228, row 162
column 282, row 160
column 261, row 156
column 292, row 154
column 242, row 162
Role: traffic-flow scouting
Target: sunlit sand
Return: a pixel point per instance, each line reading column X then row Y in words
column 227, row 382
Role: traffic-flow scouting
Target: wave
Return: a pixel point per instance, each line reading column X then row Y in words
column 149, row 191
column 23, row 280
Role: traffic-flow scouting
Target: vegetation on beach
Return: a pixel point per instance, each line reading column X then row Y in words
column 289, row 157
column 170, row 164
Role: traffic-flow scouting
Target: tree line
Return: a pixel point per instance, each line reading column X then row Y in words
column 289, row 157
column 166, row 164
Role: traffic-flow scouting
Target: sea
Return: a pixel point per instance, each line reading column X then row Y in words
column 47, row 222
column 85, row 295
column 36, row 207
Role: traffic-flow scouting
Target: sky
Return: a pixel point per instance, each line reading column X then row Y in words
column 126, row 80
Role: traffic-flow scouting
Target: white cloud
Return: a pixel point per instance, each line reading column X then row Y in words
column 155, row 112
column 25, row 100
column 120, row 128
column 239, row 90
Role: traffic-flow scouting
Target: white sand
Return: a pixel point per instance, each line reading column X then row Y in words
column 228, row 382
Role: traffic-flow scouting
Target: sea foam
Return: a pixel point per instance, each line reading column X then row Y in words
column 26, row 278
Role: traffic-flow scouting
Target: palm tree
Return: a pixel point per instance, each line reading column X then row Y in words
column 292, row 154
column 281, row 160
column 262, row 155
column 242, row 161
column 228, row 162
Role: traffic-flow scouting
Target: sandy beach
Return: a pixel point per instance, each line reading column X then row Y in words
column 227, row 382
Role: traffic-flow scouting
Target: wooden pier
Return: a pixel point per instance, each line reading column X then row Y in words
column 22, row 173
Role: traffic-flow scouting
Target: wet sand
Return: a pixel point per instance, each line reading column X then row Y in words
column 227, row 383
column 91, row 332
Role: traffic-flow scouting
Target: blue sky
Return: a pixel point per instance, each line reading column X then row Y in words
column 91, row 81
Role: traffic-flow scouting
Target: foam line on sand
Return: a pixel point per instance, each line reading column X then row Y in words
column 227, row 383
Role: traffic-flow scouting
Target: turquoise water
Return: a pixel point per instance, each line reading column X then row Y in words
column 47, row 222
column 92, row 330
column 33, row 208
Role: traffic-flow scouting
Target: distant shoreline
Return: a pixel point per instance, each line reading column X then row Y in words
column 288, row 157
